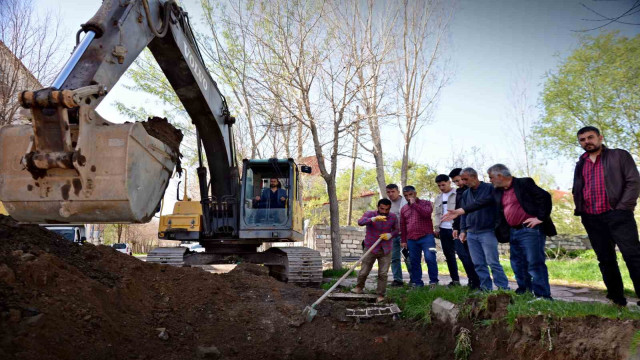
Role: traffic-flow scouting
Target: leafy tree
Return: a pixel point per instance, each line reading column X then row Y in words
column 596, row 85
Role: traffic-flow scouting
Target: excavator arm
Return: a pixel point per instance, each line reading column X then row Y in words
column 71, row 165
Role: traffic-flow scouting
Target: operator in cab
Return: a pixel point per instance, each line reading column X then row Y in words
column 275, row 197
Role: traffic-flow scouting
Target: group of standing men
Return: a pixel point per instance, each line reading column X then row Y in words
column 472, row 219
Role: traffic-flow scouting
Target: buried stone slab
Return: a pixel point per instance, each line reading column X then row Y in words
column 445, row 311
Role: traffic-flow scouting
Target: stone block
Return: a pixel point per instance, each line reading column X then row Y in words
column 445, row 311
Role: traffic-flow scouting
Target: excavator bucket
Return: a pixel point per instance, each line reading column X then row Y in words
column 117, row 174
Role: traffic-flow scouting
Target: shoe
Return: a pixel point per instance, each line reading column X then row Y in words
column 618, row 303
column 356, row 290
column 521, row 291
column 454, row 284
column 432, row 286
column 397, row 283
column 379, row 299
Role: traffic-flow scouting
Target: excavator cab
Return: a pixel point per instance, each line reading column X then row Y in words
column 271, row 201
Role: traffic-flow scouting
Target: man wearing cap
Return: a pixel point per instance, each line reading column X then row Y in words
column 380, row 223
column 416, row 229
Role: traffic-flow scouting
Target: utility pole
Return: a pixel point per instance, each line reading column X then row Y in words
column 354, row 154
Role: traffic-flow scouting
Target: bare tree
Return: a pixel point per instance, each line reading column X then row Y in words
column 422, row 72
column 521, row 116
column 370, row 38
column 30, row 52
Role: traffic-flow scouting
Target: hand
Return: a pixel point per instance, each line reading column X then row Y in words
column 379, row 218
column 385, row 236
column 257, row 198
column 437, row 234
column 455, row 234
column 411, row 200
column 403, row 245
column 452, row 214
column 282, row 198
column 463, row 237
column 532, row 222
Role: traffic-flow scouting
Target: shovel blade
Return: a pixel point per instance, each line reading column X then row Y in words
column 309, row 313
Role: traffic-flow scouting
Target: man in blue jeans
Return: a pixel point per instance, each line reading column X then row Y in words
column 477, row 227
column 524, row 214
column 397, row 202
column 416, row 229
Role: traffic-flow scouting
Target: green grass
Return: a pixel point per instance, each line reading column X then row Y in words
column 635, row 343
column 331, row 273
column 416, row 304
column 575, row 268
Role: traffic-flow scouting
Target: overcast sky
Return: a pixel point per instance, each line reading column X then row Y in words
column 491, row 43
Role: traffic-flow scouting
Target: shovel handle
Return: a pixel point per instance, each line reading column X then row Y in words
column 345, row 274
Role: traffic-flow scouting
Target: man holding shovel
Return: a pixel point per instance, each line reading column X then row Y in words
column 382, row 224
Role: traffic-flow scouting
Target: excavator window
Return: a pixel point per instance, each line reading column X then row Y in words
column 267, row 192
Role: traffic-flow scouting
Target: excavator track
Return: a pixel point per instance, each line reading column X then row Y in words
column 303, row 266
column 167, row 255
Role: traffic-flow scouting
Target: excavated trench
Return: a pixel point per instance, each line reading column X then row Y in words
column 59, row 300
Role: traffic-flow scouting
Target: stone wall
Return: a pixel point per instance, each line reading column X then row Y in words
column 319, row 237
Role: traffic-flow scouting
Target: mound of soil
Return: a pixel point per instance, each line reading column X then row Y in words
column 59, row 300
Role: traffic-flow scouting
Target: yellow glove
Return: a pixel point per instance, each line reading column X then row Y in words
column 385, row 236
column 379, row 218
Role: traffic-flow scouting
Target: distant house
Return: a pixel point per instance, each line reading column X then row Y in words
column 14, row 77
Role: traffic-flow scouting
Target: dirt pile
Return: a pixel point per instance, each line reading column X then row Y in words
column 59, row 300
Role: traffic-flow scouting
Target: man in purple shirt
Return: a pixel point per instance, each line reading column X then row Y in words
column 380, row 224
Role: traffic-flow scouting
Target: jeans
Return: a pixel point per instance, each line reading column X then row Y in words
column 606, row 230
column 449, row 250
column 426, row 245
column 396, row 263
column 527, row 260
column 383, row 268
column 462, row 249
column 483, row 247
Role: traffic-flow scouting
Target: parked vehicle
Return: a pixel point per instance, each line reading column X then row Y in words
column 123, row 248
column 74, row 233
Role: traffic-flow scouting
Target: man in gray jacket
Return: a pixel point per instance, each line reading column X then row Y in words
column 606, row 185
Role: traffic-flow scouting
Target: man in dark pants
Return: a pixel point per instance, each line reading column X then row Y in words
column 443, row 230
column 467, row 263
column 606, row 185
column 524, row 217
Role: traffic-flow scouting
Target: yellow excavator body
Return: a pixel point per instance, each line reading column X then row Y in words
column 3, row 211
column 186, row 217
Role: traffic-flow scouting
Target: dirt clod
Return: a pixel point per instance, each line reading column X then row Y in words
column 161, row 129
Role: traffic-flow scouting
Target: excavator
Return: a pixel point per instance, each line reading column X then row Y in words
column 70, row 165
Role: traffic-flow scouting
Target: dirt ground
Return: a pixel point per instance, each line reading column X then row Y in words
column 59, row 300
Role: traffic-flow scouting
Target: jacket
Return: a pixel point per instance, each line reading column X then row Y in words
column 437, row 205
column 480, row 209
column 534, row 201
column 459, row 192
column 621, row 179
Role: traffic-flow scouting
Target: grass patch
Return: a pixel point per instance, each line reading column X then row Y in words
column 416, row 304
column 635, row 343
column 526, row 305
column 332, row 273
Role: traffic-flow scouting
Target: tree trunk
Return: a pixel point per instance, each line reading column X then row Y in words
column 404, row 169
column 334, row 217
column 353, row 170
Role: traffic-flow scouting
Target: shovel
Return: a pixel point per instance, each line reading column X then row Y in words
column 310, row 312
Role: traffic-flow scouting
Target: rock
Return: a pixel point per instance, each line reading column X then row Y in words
column 445, row 311
column 208, row 352
column 33, row 320
column 27, row 257
column 164, row 335
column 17, row 253
column 14, row 315
column 7, row 275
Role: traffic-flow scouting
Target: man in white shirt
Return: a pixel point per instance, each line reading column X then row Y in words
column 444, row 202
column 397, row 202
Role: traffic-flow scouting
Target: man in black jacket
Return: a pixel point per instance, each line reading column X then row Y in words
column 606, row 185
column 524, row 211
